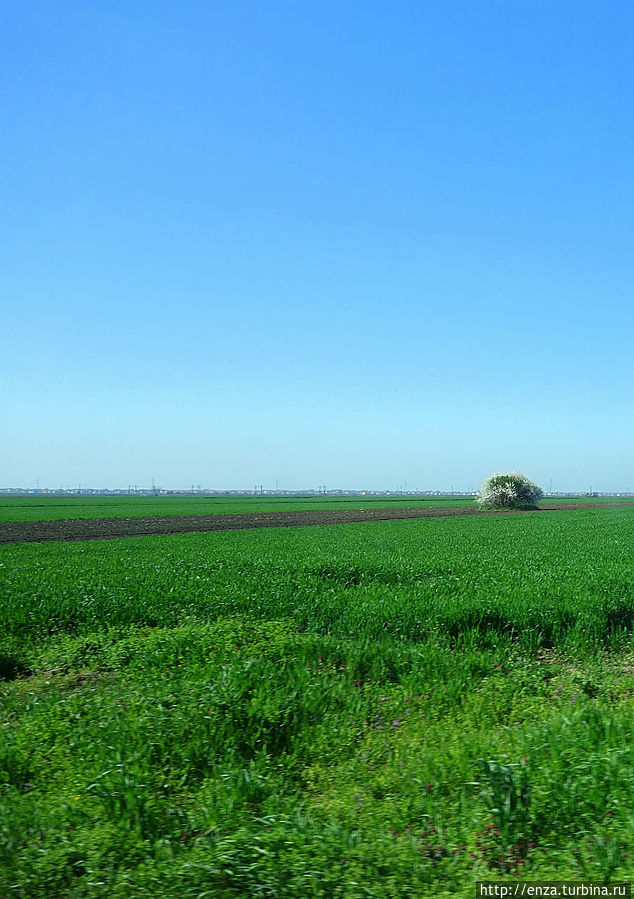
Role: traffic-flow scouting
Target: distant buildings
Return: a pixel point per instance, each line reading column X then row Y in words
column 203, row 491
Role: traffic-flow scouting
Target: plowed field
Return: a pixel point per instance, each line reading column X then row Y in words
column 111, row 528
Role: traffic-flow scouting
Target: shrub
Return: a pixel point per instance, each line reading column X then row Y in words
column 509, row 490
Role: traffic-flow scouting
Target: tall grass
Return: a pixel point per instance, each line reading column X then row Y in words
column 395, row 709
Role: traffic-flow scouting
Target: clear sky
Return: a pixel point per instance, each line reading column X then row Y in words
column 318, row 242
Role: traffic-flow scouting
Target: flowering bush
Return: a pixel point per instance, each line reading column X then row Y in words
column 509, row 490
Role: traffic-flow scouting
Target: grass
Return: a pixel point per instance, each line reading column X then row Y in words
column 384, row 710
column 55, row 508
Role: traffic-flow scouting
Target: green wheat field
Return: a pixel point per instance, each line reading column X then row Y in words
column 57, row 508
column 392, row 709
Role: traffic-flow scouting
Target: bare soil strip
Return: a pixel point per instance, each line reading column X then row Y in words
column 113, row 528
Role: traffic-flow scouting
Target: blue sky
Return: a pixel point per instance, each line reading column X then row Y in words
column 323, row 242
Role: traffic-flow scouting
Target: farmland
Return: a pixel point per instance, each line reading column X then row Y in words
column 68, row 508
column 255, row 512
column 352, row 711
column 57, row 508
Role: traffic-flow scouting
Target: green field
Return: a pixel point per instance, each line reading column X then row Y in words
column 56, row 508
column 364, row 710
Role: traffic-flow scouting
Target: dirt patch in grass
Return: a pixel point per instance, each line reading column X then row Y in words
column 113, row 528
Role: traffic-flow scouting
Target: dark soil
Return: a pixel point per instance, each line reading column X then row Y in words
column 112, row 528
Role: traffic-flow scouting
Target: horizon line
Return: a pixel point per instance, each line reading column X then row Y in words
column 199, row 490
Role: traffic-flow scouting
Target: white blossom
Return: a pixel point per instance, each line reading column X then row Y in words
column 508, row 490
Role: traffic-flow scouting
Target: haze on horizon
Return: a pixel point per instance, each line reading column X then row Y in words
column 317, row 244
